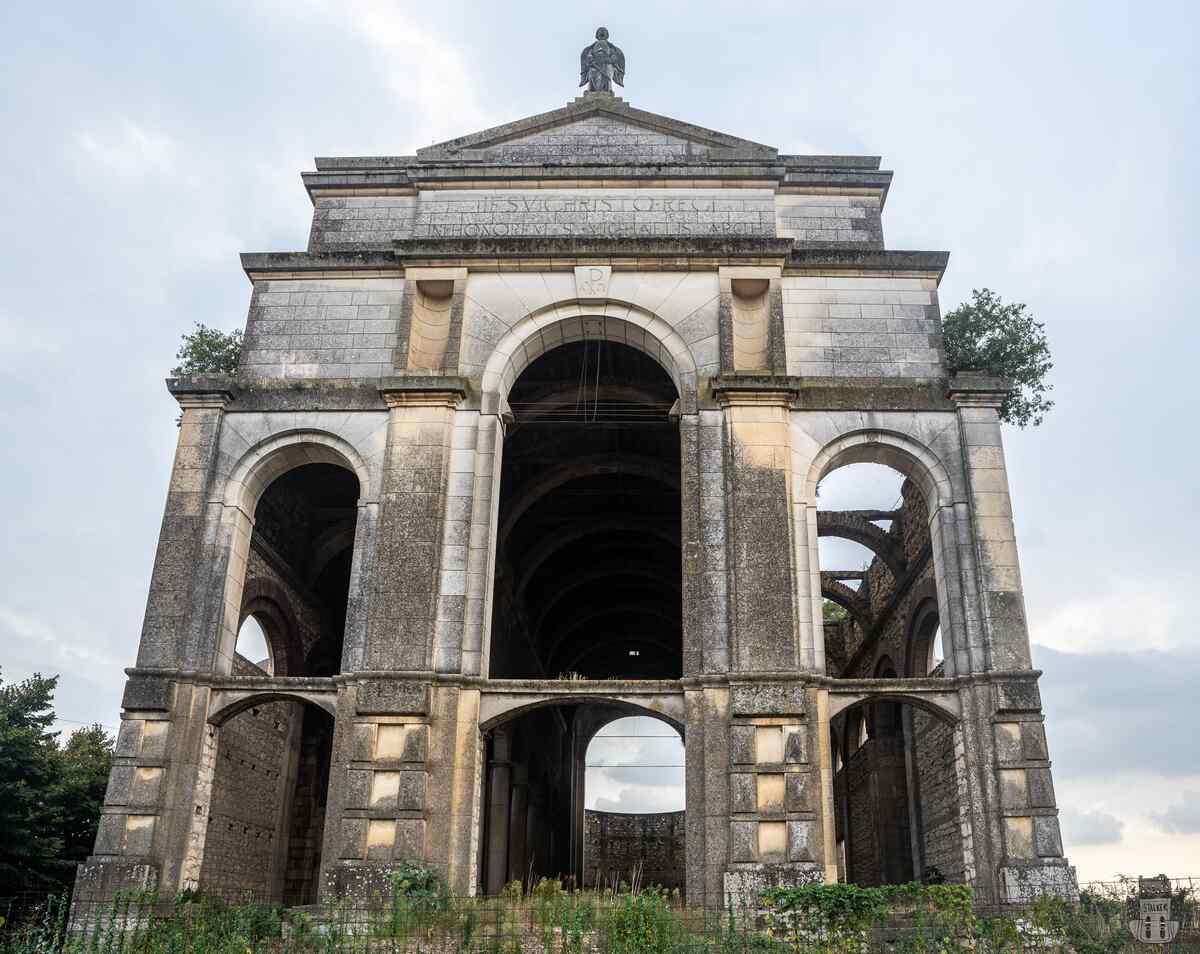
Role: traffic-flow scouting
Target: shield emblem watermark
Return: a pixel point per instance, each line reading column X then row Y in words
column 1153, row 924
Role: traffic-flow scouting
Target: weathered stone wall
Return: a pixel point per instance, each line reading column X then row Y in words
column 937, row 795
column 865, row 327
column 824, row 219
column 616, row 843
column 340, row 222
column 862, row 850
column 250, row 784
column 321, row 328
column 306, row 824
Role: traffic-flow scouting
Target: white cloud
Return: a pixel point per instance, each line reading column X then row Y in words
column 1118, row 613
column 1090, row 828
column 127, row 149
column 1181, row 818
column 71, row 644
column 422, row 71
column 22, row 338
column 1134, row 798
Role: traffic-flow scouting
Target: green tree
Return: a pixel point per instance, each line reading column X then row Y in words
column 1003, row 339
column 30, row 848
column 83, row 765
column 832, row 612
column 208, row 351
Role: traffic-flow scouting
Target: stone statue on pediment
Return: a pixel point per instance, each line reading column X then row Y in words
column 601, row 64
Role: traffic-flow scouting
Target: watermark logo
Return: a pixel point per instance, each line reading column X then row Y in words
column 1151, row 920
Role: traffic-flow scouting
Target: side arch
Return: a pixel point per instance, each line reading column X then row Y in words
column 276, row 455
column 946, row 512
column 895, row 450
column 250, row 477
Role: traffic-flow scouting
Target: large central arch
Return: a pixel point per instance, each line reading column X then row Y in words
column 582, row 490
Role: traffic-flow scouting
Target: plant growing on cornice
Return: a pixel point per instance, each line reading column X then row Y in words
column 208, row 351
column 1003, row 339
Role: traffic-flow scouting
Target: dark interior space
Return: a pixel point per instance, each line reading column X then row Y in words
column 588, row 557
column 304, row 531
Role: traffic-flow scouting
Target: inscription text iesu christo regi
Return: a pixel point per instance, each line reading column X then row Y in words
column 632, row 212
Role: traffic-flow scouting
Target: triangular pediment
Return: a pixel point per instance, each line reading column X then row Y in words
column 596, row 128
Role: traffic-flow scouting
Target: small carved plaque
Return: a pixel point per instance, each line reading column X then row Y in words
column 591, row 281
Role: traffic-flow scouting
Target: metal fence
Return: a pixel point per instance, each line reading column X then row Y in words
column 550, row 920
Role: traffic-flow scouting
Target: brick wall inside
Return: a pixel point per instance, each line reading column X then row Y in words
column 937, row 804
column 251, row 777
column 615, row 843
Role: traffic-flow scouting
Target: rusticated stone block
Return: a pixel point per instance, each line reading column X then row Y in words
column 1033, row 741
column 1041, row 788
column 741, row 792
column 410, row 796
column 800, row 841
column 393, row 697
column 110, row 835
column 1016, row 696
column 120, row 782
column 795, row 744
column 743, row 840
column 796, row 795
column 768, row 699
column 410, row 839
column 1047, row 839
column 147, row 693
column 741, row 744
column 358, row 788
column 353, row 840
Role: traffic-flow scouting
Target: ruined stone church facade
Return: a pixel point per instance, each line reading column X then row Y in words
column 529, row 439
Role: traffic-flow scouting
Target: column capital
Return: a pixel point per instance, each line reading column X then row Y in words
column 978, row 389
column 423, row 391
column 202, row 390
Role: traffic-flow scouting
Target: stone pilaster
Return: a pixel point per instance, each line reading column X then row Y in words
column 1015, row 839
column 409, row 581
column 176, row 597
column 759, row 518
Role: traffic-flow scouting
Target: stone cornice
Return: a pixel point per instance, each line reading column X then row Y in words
column 373, row 263
column 978, row 389
column 713, row 250
column 840, row 258
column 216, row 390
column 593, row 175
column 708, row 251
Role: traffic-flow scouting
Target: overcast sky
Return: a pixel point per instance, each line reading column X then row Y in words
column 1051, row 147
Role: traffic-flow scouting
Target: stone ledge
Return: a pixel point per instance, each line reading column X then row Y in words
column 423, row 389
column 208, row 390
column 263, row 264
column 715, row 247
column 876, row 259
column 978, row 389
